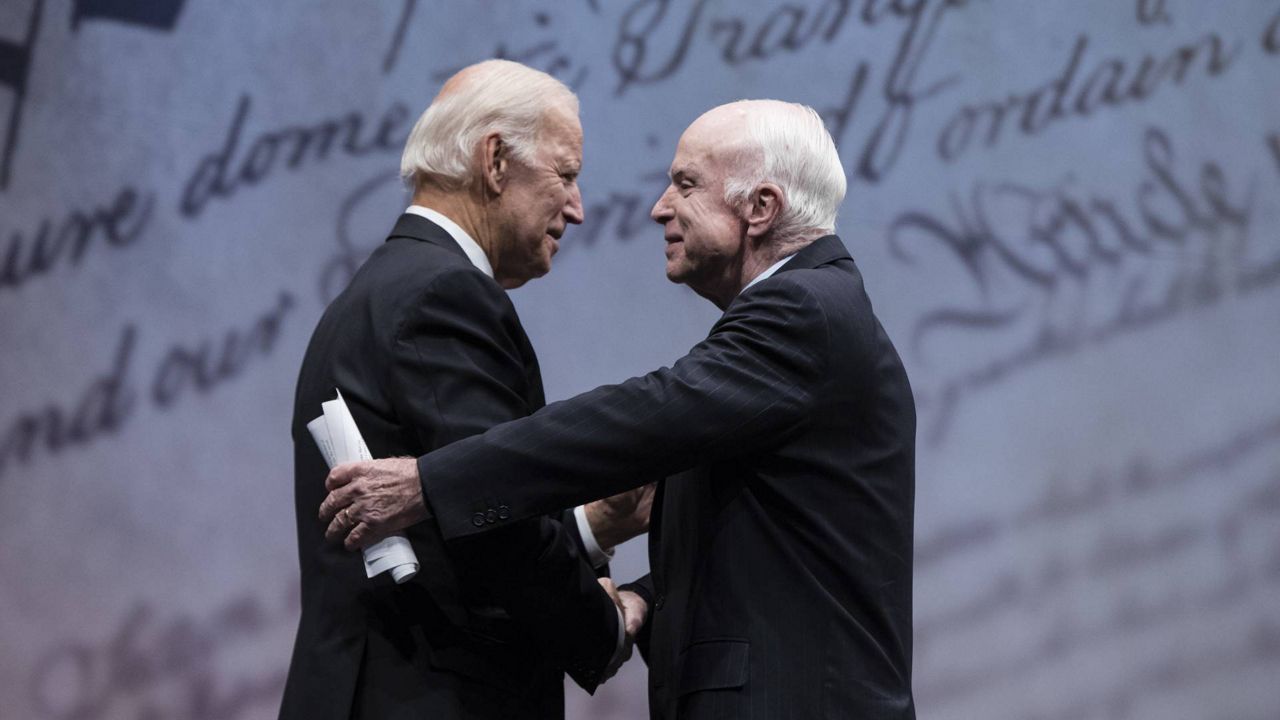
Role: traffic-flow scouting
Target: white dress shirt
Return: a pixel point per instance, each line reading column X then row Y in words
column 768, row 271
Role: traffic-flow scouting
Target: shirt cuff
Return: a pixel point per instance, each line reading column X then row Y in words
column 598, row 556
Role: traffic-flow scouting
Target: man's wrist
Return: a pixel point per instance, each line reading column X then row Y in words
column 598, row 553
column 610, row 529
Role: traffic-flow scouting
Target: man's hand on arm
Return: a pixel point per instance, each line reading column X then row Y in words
column 634, row 610
column 615, row 520
column 632, row 606
column 370, row 501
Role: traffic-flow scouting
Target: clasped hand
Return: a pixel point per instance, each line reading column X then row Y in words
column 372, row 500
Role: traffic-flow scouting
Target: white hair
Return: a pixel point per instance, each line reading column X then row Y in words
column 494, row 96
column 788, row 144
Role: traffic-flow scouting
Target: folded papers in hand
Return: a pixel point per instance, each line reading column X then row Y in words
column 340, row 442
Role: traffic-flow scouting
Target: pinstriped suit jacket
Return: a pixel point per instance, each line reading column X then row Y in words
column 781, row 553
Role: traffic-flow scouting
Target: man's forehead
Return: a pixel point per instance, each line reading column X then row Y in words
column 701, row 152
column 560, row 120
column 561, row 133
column 725, row 121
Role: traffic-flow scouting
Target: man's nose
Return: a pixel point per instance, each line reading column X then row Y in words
column 662, row 211
column 573, row 211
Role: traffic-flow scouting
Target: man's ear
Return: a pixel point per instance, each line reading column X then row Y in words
column 765, row 206
column 495, row 163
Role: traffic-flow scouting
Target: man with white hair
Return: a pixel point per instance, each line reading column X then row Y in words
column 781, row 552
column 426, row 348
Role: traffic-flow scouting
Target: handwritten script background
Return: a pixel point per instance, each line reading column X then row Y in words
column 1066, row 213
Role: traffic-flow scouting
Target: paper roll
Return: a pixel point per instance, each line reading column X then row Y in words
column 339, row 440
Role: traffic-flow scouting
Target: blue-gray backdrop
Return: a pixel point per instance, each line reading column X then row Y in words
column 1066, row 213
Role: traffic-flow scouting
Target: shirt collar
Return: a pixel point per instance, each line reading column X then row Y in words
column 460, row 236
column 768, row 271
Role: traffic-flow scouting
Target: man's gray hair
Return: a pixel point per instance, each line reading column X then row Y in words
column 788, row 144
column 492, row 96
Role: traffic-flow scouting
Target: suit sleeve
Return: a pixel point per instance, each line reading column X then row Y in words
column 750, row 383
column 458, row 370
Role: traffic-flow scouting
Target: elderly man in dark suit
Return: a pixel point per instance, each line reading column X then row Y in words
column 781, row 551
column 426, row 348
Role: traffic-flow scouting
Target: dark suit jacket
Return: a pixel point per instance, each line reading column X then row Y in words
column 427, row 350
column 781, row 557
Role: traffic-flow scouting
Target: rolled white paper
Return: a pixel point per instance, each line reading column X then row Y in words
column 339, row 440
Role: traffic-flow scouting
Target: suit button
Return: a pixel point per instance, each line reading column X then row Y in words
column 659, row 601
column 478, row 519
column 504, row 512
column 491, row 517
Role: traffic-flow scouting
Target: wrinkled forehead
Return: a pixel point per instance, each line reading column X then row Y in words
column 560, row 133
column 714, row 143
column 562, row 119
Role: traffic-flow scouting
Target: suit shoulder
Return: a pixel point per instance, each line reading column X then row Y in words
column 837, row 287
column 812, row 289
column 403, row 273
column 414, row 263
column 458, row 297
column 834, row 290
column 785, row 308
column 839, row 278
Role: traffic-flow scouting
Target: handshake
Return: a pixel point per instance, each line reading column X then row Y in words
column 614, row 520
column 632, row 609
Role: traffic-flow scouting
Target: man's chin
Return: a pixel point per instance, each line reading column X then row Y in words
column 541, row 269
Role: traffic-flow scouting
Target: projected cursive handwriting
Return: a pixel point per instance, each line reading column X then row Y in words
column 153, row 667
column 1033, row 255
column 746, row 38
column 1108, row 84
column 1111, row 581
column 1152, row 12
column 225, row 171
column 116, row 224
column 110, row 400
